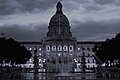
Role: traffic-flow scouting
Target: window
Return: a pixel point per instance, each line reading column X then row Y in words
column 88, row 55
column 78, row 48
column 47, row 48
column 70, row 54
column 70, row 48
column 83, row 54
column 53, row 48
column 59, row 61
column 59, row 48
column 88, row 49
column 93, row 60
column 78, row 61
column 30, row 60
column 83, row 48
column 39, row 49
column 39, row 60
column 65, row 48
column 59, row 54
column 39, row 54
column 30, row 49
column 88, row 61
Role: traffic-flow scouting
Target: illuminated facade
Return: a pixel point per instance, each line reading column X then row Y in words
column 59, row 51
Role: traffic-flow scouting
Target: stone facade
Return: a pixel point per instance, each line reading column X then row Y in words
column 59, row 51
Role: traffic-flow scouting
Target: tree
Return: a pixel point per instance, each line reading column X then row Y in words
column 109, row 51
column 12, row 51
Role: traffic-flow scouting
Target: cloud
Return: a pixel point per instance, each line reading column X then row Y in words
column 8, row 7
column 96, row 30
column 104, row 2
column 89, row 19
column 20, row 34
column 37, row 18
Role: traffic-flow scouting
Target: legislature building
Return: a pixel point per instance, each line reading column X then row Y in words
column 59, row 51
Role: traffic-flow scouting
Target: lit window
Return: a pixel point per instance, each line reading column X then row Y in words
column 53, row 48
column 59, row 48
column 44, row 60
column 78, row 48
column 30, row 60
column 47, row 48
column 75, row 60
column 40, row 54
column 39, row 60
column 39, row 49
column 71, row 48
column 65, row 48
column 30, row 49
column 59, row 54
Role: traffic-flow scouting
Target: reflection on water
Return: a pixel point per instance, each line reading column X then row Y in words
column 55, row 76
column 45, row 76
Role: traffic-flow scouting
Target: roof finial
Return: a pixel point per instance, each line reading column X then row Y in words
column 59, row 8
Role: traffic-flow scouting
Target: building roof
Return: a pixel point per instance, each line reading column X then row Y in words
column 30, row 42
column 80, row 42
column 89, row 42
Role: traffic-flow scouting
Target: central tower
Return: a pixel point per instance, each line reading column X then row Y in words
column 59, row 25
column 59, row 47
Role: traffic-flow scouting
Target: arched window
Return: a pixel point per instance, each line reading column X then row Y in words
column 53, row 48
column 59, row 48
column 65, row 48
column 48, row 48
column 71, row 48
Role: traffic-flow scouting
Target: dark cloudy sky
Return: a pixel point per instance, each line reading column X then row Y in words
column 27, row 20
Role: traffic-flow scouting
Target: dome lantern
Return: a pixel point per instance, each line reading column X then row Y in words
column 59, row 8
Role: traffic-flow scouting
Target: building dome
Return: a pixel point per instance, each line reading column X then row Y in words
column 59, row 24
column 59, row 19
